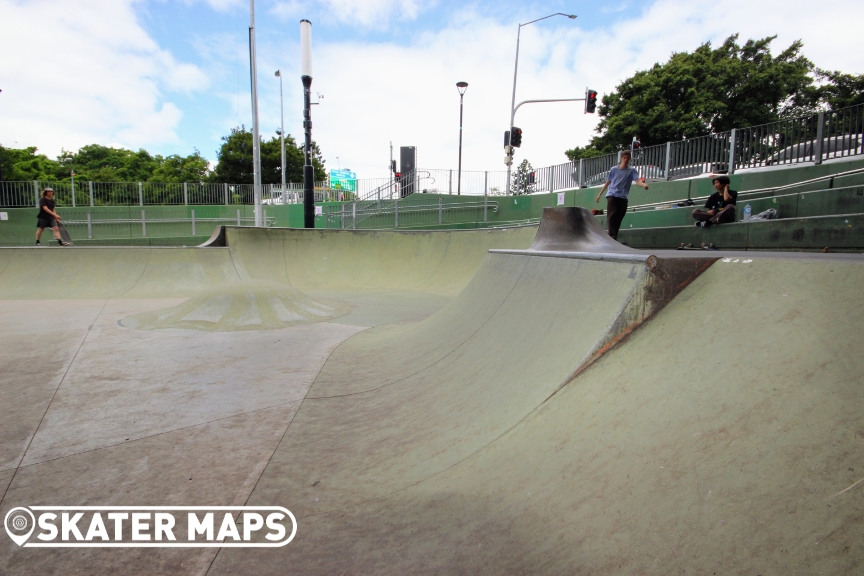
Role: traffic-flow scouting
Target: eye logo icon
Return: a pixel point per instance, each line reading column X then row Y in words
column 19, row 523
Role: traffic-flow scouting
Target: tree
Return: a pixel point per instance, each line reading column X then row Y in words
column 26, row 164
column 839, row 90
column 235, row 159
column 522, row 181
column 175, row 168
column 708, row 90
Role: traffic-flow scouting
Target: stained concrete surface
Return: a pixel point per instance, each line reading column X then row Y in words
column 473, row 413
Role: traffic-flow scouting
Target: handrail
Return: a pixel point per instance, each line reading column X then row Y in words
column 757, row 190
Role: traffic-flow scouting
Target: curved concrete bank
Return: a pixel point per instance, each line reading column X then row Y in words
column 489, row 405
column 725, row 435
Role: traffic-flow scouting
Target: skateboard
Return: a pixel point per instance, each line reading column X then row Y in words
column 64, row 234
column 691, row 247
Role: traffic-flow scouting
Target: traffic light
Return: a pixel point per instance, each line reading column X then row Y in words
column 531, row 178
column 590, row 101
column 515, row 137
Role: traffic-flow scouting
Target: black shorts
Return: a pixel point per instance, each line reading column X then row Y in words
column 46, row 223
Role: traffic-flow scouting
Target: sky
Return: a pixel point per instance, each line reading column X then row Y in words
column 172, row 76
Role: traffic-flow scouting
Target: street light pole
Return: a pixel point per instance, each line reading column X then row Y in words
column 461, row 87
column 256, row 141
column 306, row 78
column 282, row 135
column 515, row 72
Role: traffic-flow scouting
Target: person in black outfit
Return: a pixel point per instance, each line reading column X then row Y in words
column 720, row 205
column 47, row 217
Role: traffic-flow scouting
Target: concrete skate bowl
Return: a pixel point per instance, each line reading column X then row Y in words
column 508, row 433
column 563, row 408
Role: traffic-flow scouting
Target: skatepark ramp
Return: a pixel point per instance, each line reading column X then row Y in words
column 533, row 400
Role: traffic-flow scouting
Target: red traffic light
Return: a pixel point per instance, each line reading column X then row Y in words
column 515, row 137
column 590, row 101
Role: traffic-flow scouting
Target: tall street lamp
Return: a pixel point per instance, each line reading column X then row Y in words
column 256, row 141
column 515, row 71
column 306, row 78
column 461, row 87
column 282, row 135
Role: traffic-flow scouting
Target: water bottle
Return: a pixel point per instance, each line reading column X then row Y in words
column 747, row 211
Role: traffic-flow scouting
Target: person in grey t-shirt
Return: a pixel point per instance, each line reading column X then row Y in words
column 618, row 182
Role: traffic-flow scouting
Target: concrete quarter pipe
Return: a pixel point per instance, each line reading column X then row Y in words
column 565, row 407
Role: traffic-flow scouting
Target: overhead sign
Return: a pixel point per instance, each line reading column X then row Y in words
column 343, row 180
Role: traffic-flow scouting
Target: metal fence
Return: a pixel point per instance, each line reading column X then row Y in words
column 814, row 138
column 402, row 213
column 112, row 225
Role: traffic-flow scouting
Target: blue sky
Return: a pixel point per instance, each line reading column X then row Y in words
column 172, row 75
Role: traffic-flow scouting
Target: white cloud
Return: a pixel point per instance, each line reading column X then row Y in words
column 77, row 73
column 374, row 14
column 381, row 92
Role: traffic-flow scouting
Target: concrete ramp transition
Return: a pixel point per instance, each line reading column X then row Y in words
column 517, row 401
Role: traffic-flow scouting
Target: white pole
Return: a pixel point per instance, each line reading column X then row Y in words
column 256, row 143
column 282, row 135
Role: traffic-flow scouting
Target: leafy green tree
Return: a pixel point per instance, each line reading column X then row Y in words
column 26, row 164
column 176, row 168
column 235, row 159
column 521, row 180
column 708, row 90
column 839, row 90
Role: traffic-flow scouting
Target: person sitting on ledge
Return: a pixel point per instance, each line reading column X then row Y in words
column 720, row 205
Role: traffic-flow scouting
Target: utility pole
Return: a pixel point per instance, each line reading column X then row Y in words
column 256, row 141
column 306, row 78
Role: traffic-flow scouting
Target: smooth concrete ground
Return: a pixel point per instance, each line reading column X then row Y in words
column 451, row 423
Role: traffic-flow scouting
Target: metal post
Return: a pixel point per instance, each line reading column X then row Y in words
column 551, row 178
column 820, row 135
column 342, row 216
column 264, row 217
column 143, row 225
column 450, row 186
column 140, row 194
column 581, row 181
column 89, row 226
column 440, row 211
column 461, row 86
column 282, row 135
column 396, row 214
column 256, row 142
column 90, row 184
column 36, row 192
column 73, row 188
column 226, row 193
column 193, row 223
column 730, row 168
column 354, row 216
column 306, row 78
column 668, row 160
column 485, row 195
column 238, row 218
column 185, row 194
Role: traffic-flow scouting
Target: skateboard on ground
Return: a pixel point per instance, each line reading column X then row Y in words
column 691, row 247
column 64, row 234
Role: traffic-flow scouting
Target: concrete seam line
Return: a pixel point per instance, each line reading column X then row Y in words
column 199, row 424
column 47, row 408
column 143, row 271
column 270, row 458
column 469, row 338
column 440, row 263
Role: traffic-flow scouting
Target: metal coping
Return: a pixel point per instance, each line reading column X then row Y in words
column 649, row 259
